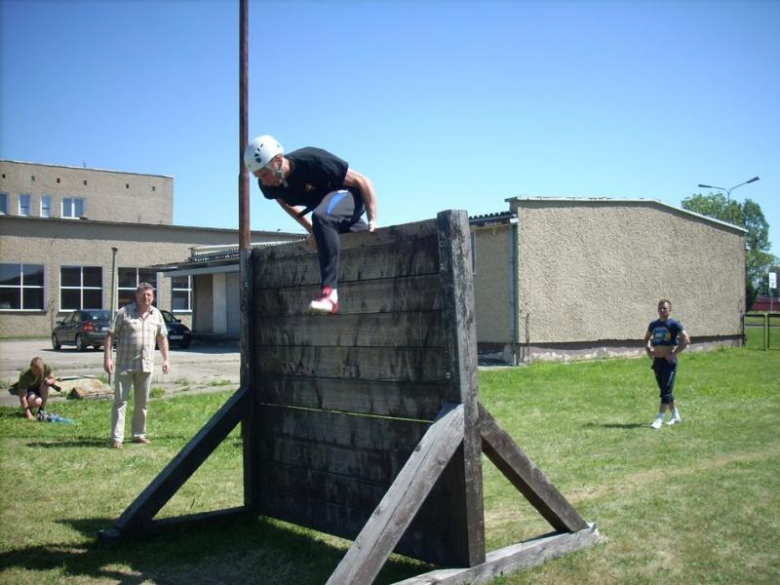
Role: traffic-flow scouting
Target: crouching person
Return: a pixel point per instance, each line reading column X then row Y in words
column 33, row 386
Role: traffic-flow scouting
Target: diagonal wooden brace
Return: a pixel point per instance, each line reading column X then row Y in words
column 502, row 450
column 403, row 500
column 139, row 514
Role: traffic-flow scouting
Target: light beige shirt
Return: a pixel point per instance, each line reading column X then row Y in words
column 136, row 337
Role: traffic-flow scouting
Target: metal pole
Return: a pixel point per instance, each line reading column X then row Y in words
column 244, row 235
column 114, row 251
column 248, row 424
column 243, row 176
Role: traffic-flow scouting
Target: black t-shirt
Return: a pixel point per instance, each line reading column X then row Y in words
column 665, row 332
column 315, row 173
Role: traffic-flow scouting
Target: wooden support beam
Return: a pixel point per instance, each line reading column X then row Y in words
column 139, row 514
column 402, row 501
column 468, row 515
column 168, row 525
column 502, row 450
column 511, row 559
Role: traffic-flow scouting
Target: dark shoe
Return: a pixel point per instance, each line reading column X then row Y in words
column 42, row 415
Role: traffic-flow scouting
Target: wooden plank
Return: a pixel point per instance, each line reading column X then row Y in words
column 424, row 541
column 403, row 258
column 505, row 454
column 369, row 330
column 382, row 398
column 458, row 311
column 336, row 428
column 170, row 525
column 395, row 512
column 511, row 559
column 383, row 295
column 368, row 464
column 386, row 236
column 360, row 363
column 294, row 483
column 186, row 462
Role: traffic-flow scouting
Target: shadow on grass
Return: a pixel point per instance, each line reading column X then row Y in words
column 621, row 426
column 251, row 550
column 69, row 443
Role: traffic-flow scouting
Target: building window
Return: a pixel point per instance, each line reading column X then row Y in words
column 24, row 205
column 3, row 203
column 181, row 293
column 21, row 287
column 73, row 207
column 128, row 281
column 46, row 206
column 81, row 287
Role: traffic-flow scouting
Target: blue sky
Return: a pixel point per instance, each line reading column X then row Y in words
column 442, row 104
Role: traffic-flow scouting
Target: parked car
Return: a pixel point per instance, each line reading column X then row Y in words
column 82, row 329
column 179, row 335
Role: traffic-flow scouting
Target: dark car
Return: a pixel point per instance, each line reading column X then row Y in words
column 82, row 329
column 179, row 335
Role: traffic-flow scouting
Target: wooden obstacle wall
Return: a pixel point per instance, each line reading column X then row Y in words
column 366, row 424
column 343, row 400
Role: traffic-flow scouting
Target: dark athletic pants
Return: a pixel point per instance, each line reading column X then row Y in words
column 665, row 372
column 338, row 213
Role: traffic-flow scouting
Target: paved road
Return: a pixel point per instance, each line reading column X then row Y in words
column 200, row 367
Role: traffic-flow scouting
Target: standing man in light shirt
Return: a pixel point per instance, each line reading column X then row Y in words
column 136, row 328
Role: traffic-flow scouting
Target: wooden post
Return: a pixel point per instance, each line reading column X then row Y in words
column 458, row 316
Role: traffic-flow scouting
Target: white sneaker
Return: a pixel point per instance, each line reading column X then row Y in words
column 674, row 420
column 327, row 302
column 657, row 423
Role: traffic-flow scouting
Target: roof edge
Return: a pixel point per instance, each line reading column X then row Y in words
column 626, row 200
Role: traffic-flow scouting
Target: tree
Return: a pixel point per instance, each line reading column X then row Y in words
column 749, row 216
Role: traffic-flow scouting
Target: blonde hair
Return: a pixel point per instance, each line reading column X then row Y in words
column 36, row 364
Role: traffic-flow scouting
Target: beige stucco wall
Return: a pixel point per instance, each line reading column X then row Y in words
column 60, row 242
column 594, row 270
column 108, row 195
column 493, row 297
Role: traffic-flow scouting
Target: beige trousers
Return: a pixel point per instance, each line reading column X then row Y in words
column 124, row 382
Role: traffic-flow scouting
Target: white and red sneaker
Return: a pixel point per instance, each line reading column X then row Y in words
column 327, row 302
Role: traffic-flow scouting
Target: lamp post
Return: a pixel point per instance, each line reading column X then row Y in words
column 728, row 191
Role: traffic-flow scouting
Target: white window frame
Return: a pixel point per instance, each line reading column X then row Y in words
column 81, row 288
column 46, row 206
column 25, row 205
column 188, row 290
column 22, row 286
column 70, row 207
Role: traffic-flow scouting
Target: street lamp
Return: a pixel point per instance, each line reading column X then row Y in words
column 728, row 191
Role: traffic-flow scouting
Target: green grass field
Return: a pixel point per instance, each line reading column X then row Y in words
column 694, row 503
column 755, row 325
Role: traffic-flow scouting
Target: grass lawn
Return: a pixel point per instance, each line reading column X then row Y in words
column 694, row 503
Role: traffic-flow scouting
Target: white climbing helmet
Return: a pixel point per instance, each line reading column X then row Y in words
column 260, row 151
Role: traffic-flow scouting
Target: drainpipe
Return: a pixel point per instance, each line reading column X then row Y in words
column 114, row 250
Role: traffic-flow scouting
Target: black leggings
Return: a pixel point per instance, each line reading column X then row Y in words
column 338, row 213
column 665, row 373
